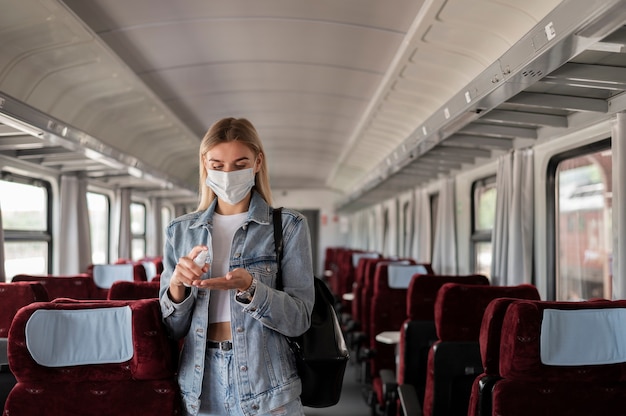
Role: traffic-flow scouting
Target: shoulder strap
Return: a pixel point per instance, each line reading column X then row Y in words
column 278, row 245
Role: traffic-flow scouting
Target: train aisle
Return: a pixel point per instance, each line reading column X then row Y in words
column 351, row 403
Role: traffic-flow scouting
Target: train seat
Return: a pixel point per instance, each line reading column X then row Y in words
column 387, row 312
column 355, row 332
column 489, row 341
column 562, row 358
column 454, row 360
column 79, row 286
column 105, row 274
column 92, row 358
column 418, row 333
column 14, row 296
column 122, row 290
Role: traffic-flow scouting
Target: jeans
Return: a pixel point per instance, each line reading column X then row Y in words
column 219, row 391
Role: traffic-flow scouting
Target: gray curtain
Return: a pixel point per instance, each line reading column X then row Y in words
column 420, row 247
column 75, row 234
column 124, row 250
column 444, row 250
column 512, row 238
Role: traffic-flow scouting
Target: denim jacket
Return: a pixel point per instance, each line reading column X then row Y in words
column 267, row 376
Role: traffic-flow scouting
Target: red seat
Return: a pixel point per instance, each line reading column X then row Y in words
column 134, row 290
column 13, row 296
column 418, row 333
column 565, row 358
column 80, row 286
column 454, row 360
column 388, row 311
column 111, row 358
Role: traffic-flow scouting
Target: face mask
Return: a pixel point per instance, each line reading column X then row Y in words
column 230, row 187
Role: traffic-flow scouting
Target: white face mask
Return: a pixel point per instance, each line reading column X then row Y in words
column 231, row 187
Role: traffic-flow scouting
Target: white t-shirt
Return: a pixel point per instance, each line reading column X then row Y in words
column 224, row 228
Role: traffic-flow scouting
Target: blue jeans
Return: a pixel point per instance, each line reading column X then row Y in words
column 219, row 390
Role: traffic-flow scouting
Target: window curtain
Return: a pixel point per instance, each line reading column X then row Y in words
column 124, row 249
column 444, row 250
column 154, row 228
column 420, row 246
column 391, row 231
column 405, row 210
column 378, row 230
column 618, row 144
column 359, row 230
column 512, row 238
column 75, row 255
column 3, row 275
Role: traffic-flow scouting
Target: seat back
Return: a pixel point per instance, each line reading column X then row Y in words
column 121, row 290
column 489, row 341
column 454, row 360
column 91, row 358
column 388, row 309
column 562, row 358
column 417, row 332
column 13, row 296
column 79, row 286
column 104, row 275
column 362, row 274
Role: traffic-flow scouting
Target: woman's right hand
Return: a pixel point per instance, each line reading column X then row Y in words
column 185, row 272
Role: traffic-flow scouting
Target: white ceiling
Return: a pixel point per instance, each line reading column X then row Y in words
column 335, row 88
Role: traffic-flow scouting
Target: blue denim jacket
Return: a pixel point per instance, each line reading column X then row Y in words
column 267, row 376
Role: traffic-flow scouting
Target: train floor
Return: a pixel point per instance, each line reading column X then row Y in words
column 351, row 402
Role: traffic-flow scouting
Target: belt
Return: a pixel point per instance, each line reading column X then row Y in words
column 222, row 345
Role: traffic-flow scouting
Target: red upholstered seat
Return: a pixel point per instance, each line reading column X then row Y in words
column 387, row 312
column 134, row 290
column 490, row 332
column 79, row 286
column 533, row 383
column 454, row 360
column 14, row 296
column 126, row 370
column 417, row 332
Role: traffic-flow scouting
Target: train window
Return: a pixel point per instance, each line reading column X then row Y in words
column 166, row 218
column 26, row 225
column 583, row 212
column 138, row 230
column 483, row 220
column 100, row 225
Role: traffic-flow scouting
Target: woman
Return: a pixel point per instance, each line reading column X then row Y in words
column 235, row 359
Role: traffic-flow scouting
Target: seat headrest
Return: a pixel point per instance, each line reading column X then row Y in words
column 423, row 290
column 564, row 340
column 459, row 308
column 399, row 275
column 87, row 340
column 59, row 338
column 104, row 275
column 358, row 256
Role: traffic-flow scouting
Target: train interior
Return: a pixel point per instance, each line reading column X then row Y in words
column 357, row 102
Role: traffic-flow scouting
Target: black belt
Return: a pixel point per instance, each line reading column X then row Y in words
column 222, row 345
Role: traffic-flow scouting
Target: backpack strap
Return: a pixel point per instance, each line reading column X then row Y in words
column 278, row 245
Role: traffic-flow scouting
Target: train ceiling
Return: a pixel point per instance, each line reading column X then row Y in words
column 364, row 98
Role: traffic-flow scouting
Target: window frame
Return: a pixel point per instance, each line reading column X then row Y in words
column 24, row 236
column 551, row 205
column 479, row 236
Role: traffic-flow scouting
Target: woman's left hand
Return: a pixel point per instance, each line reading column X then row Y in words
column 239, row 279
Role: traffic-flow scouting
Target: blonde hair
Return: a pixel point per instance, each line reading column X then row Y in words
column 229, row 130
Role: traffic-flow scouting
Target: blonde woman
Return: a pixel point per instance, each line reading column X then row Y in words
column 218, row 285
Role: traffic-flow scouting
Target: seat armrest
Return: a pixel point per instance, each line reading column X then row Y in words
column 409, row 401
column 389, row 383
